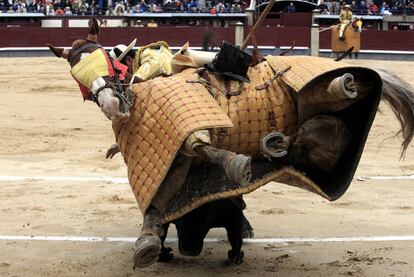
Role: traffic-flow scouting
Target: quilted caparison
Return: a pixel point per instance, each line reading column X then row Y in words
column 165, row 113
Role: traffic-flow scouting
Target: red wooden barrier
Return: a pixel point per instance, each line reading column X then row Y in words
column 32, row 36
column 377, row 40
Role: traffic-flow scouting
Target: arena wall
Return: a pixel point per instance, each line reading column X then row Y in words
column 32, row 36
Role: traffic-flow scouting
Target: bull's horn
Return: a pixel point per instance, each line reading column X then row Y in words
column 201, row 57
column 184, row 48
column 93, row 31
column 59, row 52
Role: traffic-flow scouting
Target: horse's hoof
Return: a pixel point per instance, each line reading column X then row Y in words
column 147, row 249
column 235, row 258
column 239, row 169
column 166, row 255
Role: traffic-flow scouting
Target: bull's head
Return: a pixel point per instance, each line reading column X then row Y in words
column 97, row 74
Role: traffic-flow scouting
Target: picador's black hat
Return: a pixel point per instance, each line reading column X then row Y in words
column 231, row 62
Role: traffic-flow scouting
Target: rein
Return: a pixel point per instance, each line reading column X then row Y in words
column 123, row 96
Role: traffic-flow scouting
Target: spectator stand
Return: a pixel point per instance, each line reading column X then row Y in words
column 148, row 20
column 189, row 19
column 289, row 6
column 370, row 21
column 122, row 7
column 398, row 22
column 12, row 19
column 286, row 13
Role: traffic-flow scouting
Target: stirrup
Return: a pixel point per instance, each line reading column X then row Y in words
column 343, row 86
column 274, row 145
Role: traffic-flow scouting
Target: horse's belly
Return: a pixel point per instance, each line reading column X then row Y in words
column 255, row 113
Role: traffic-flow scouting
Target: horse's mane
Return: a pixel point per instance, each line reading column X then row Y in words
column 78, row 43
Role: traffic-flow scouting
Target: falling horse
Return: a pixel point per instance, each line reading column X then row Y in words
column 197, row 137
column 350, row 40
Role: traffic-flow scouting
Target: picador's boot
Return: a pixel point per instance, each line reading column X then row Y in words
column 236, row 166
column 148, row 244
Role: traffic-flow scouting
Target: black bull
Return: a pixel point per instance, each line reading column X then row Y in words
column 193, row 227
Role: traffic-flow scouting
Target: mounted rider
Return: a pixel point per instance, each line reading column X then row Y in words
column 345, row 18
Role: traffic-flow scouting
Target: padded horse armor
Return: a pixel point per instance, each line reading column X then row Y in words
column 168, row 110
column 353, row 39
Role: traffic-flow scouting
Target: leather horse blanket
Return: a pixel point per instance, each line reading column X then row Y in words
column 168, row 109
column 352, row 39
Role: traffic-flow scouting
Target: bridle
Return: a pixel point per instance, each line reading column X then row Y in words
column 125, row 96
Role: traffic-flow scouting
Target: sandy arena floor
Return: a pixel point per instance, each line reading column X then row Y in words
column 47, row 130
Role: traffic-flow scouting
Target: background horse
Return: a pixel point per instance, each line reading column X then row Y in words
column 352, row 39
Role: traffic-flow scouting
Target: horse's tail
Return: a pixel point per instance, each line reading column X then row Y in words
column 400, row 96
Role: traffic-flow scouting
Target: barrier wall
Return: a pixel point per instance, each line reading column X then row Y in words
column 288, row 19
column 39, row 37
column 32, row 36
column 377, row 40
column 175, row 36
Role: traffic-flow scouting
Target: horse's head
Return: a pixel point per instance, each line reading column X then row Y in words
column 357, row 24
column 99, row 77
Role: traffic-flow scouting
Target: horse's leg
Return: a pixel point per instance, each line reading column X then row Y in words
column 172, row 182
column 234, row 235
column 236, row 166
column 247, row 229
column 148, row 244
column 166, row 254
